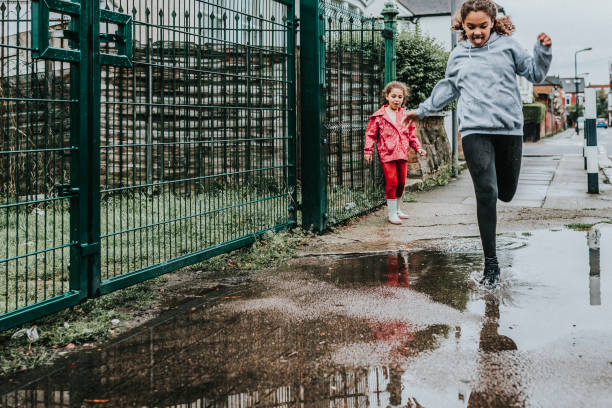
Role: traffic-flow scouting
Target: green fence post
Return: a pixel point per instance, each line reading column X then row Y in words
column 314, row 142
column 390, row 13
column 291, row 125
column 93, row 247
column 80, row 214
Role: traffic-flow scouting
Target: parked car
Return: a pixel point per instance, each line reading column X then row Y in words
column 602, row 122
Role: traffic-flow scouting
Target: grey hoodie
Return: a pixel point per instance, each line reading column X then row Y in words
column 485, row 81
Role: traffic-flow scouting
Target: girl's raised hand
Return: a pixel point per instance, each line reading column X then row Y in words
column 367, row 158
column 421, row 152
column 544, row 40
column 410, row 116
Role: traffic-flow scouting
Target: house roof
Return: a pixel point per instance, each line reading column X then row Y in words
column 569, row 85
column 428, row 7
column 552, row 80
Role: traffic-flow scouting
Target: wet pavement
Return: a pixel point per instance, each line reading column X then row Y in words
column 408, row 328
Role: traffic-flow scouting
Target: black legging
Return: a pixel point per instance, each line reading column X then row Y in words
column 494, row 162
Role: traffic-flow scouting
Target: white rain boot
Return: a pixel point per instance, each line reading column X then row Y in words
column 392, row 211
column 401, row 214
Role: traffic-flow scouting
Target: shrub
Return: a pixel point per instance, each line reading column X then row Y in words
column 421, row 63
column 534, row 112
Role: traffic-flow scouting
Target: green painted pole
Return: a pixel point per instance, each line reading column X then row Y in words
column 291, row 126
column 314, row 141
column 390, row 13
column 92, row 249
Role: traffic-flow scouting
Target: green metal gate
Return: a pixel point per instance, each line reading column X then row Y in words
column 346, row 58
column 138, row 137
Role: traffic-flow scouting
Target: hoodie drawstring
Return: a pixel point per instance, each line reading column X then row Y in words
column 470, row 49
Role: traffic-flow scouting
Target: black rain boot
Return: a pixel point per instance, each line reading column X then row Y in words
column 491, row 272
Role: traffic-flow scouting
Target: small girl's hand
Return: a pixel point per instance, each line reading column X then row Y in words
column 410, row 116
column 421, row 152
column 367, row 158
column 544, row 40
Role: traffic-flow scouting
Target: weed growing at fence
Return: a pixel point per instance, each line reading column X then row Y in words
column 272, row 249
column 440, row 177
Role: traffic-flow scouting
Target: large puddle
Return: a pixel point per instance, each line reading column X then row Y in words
column 408, row 329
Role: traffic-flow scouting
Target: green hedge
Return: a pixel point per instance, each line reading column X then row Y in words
column 534, row 112
column 421, row 63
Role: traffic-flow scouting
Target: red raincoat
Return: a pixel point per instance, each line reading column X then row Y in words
column 393, row 141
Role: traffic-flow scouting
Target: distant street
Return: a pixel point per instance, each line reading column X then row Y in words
column 567, row 143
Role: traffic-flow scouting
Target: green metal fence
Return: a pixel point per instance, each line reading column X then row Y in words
column 344, row 61
column 39, row 156
column 138, row 137
column 354, row 74
column 198, row 137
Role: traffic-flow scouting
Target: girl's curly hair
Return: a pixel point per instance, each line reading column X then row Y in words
column 501, row 25
column 392, row 85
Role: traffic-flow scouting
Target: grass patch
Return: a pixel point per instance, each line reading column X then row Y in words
column 526, row 234
column 344, row 202
column 138, row 230
column 580, row 226
column 268, row 251
column 90, row 322
column 409, row 197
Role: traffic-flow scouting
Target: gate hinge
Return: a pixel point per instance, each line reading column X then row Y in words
column 90, row 248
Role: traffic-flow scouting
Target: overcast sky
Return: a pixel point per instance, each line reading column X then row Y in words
column 572, row 25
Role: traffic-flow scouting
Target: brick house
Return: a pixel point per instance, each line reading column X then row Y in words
column 569, row 86
column 550, row 92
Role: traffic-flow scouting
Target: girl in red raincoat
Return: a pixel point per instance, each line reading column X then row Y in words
column 393, row 140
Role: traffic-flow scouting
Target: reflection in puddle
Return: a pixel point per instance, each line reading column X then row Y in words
column 375, row 330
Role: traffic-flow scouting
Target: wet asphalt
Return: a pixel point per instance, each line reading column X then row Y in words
column 410, row 328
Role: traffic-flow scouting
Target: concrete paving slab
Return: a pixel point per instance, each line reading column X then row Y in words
column 568, row 189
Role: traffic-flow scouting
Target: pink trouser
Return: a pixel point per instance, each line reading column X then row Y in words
column 395, row 178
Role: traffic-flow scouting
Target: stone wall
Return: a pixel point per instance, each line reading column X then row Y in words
column 432, row 136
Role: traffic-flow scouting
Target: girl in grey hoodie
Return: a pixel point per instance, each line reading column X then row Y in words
column 481, row 72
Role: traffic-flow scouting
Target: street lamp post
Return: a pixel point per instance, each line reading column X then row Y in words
column 576, row 82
